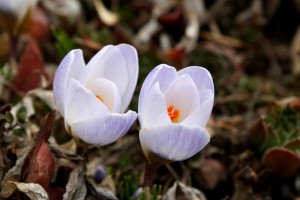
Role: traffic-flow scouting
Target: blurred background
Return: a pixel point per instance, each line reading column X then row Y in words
column 251, row 48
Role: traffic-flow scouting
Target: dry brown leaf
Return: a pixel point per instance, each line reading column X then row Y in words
column 68, row 9
column 76, row 187
column 223, row 39
column 179, row 191
column 108, row 17
column 295, row 52
column 32, row 190
column 213, row 171
column 14, row 173
column 103, row 193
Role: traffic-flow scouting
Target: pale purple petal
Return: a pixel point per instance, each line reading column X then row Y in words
column 201, row 115
column 154, row 112
column 71, row 67
column 107, row 92
column 104, row 130
column 131, row 58
column 164, row 75
column 200, row 75
column 111, row 65
column 82, row 104
column 174, row 142
column 183, row 95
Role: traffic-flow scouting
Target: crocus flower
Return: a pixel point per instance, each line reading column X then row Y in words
column 92, row 98
column 173, row 110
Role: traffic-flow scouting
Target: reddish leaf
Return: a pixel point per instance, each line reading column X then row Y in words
column 31, row 67
column 40, row 163
column 38, row 26
column 174, row 18
column 293, row 145
column 283, row 162
column 55, row 193
column 257, row 134
column 41, row 167
column 176, row 57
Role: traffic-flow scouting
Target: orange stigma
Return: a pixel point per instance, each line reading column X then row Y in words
column 100, row 98
column 173, row 114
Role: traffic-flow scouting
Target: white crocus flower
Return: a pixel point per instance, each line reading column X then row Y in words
column 173, row 110
column 93, row 98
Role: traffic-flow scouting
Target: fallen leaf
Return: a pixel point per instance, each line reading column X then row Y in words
column 76, row 187
column 258, row 134
column 69, row 10
column 32, row 190
column 31, row 68
column 293, row 102
column 103, row 193
column 293, row 145
column 38, row 26
column 12, row 174
column 283, row 162
column 212, row 172
column 295, row 52
column 108, row 17
column 41, row 167
column 39, row 164
column 179, row 191
column 176, row 56
column 62, row 153
column 174, row 18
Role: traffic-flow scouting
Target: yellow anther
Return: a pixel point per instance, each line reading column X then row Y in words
column 100, row 98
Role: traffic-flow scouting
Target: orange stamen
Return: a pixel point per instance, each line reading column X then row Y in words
column 100, row 98
column 173, row 114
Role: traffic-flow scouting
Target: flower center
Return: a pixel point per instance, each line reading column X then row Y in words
column 100, row 98
column 174, row 114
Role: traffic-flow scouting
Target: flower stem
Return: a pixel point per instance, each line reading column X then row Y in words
column 149, row 174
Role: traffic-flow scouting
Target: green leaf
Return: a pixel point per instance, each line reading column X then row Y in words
column 8, row 117
column 105, row 36
column 155, row 192
column 21, row 114
column 20, row 132
column 64, row 43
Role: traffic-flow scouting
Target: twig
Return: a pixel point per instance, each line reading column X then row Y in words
column 173, row 172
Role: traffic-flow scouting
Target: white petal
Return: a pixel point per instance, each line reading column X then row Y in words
column 183, row 95
column 70, row 67
column 174, row 142
column 104, row 130
column 82, row 104
column 131, row 58
column 109, row 64
column 201, row 115
column 108, row 92
column 163, row 74
column 154, row 112
column 201, row 77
